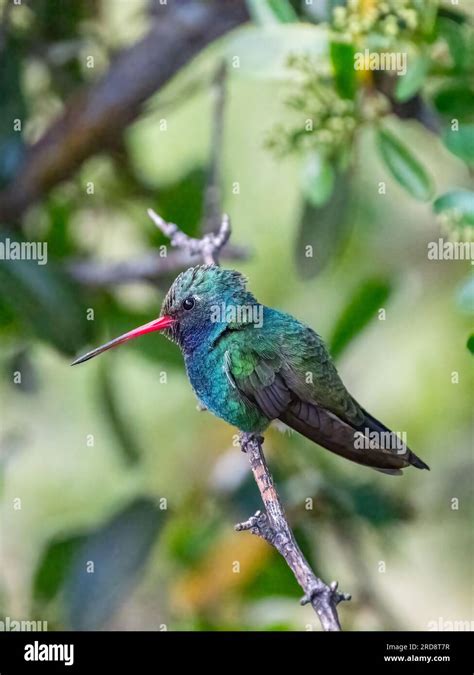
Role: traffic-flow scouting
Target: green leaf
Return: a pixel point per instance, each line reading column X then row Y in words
column 12, row 107
column 54, row 24
column 453, row 34
column 456, row 101
column 190, row 536
column 43, row 301
column 458, row 204
column 364, row 304
column 461, row 142
column 470, row 343
column 127, row 443
column 267, row 12
column 323, row 229
column 53, row 568
column 318, row 179
column 404, row 167
column 342, row 59
column 182, row 202
column 60, row 240
column 378, row 507
column 410, row 83
column 119, row 551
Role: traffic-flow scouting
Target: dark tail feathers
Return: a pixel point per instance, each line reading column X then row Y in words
column 374, row 425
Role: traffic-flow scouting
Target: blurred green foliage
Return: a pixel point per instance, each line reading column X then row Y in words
column 91, row 452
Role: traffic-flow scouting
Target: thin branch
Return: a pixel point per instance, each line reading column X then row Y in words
column 271, row 524
column 208, row 247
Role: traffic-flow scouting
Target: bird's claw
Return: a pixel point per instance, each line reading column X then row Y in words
column 246, row 437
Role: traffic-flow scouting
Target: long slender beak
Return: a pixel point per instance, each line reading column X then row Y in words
column 158, row 324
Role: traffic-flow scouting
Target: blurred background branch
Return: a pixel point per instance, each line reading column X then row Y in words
column 150, row 268
column 95, row 118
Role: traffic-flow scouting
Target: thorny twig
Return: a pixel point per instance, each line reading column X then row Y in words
column 270, row 524
column 208, row 247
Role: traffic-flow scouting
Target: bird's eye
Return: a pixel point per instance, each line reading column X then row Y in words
column 188, row 303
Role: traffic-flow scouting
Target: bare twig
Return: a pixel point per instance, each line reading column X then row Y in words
column 94, row 120
column 271, row 524
column 208, row 247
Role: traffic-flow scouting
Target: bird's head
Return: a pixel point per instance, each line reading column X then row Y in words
column 199, row 302
column 198, row 306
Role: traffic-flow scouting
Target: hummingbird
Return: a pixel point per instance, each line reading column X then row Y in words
column 250, row 364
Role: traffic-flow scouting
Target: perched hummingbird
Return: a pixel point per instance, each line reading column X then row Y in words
column 250, row 364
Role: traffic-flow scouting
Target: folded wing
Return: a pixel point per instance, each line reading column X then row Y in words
column 303, row 389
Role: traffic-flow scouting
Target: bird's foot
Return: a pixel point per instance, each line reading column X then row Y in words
column 248, row 437
column 200, row 407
